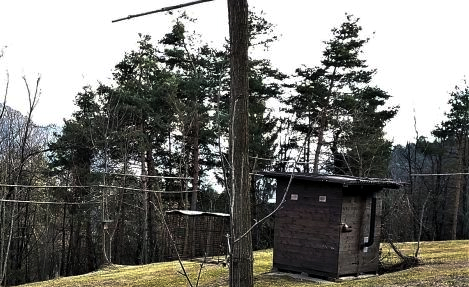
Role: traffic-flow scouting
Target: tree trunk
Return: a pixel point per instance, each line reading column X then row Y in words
column 7, row 252
column 195, row 161
column 152, row 184
column 322, row 130
column 144, row 254
column 90, row 247
column 451, row 209
column 464, row 220
column 323, row 124
column 241, row 260
column 450, row 218
column 64, row 234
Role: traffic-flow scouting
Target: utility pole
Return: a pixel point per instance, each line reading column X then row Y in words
column 241, row 259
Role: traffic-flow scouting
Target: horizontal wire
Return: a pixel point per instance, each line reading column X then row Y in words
column 49, row 202
column 99, row 185
column 289, row 161
column 147, row 190
column 151, row 176
column 46, row 186
column 440, row 174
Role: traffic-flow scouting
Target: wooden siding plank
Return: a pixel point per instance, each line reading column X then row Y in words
column 307, row 233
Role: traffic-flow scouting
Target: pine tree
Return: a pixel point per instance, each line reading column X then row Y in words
column 455, row 133
column 73, row 153
column 334, row 99
column 365, row 151
column 196, row 74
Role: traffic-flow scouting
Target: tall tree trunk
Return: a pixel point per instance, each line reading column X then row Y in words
column 7, row 252
column 195, row 161
column 307, row 154
column 241, row 260
column 64, row 234
column 254, row 214
column 70, row 246
column 151, row 184
column 322, row 130
column 451, row 209
column 90, row 248
column 2, row 234
column 323, row 124
column 144, row 254
column 464, row 193
column 450, row 218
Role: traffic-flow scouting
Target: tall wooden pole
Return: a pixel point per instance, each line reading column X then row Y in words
column 241, row 259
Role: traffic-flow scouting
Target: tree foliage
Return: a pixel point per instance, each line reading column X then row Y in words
column 335, row 101
column 454, row 134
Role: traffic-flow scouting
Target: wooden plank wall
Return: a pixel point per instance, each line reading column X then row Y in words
column 307, row 231
column 356, row 212
column 369, row 261
column 196, row 236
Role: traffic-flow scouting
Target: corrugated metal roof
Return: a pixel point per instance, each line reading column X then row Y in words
column 197, row 213
column 339, row 179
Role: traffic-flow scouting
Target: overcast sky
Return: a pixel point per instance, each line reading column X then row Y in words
column 420, row 48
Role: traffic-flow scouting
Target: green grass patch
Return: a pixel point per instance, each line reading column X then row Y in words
column 444, row 264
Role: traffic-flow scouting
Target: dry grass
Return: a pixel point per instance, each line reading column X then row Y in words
column 444, row 264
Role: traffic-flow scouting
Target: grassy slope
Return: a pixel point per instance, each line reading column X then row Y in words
column 445, row 264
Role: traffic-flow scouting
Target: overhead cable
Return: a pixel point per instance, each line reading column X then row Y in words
column 99, row 186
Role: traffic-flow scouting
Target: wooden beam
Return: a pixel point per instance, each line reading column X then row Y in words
column 165, row 9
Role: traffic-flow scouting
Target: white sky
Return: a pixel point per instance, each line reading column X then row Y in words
column 420, row 48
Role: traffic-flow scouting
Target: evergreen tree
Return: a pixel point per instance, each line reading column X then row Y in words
column 72, row 155
column 365, row 152
column 333, row 101
column 196, row 71
column 454, row 132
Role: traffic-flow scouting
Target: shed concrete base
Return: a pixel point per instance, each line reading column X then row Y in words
column 301, row 277
column 306, row 277
column 349, row 278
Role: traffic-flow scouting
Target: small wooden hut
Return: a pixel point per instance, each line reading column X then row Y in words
column 196, row 234
column 328, row 226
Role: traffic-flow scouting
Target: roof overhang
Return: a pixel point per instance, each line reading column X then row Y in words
column 197, row 213
column 343, row 180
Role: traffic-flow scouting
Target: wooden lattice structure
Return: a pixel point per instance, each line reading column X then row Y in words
column 328, row 226
column 196, row 234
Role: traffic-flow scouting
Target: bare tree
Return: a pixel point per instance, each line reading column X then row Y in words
column 7, row 82
column 20, row 151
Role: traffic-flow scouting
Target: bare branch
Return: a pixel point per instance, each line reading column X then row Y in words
column 422, row 212
column 283, row 198
column 165, row 9
column 5, row 96
column 159, row 209
column 2, row 52
column 200, row 270
column 270, row 214
column 10, row 236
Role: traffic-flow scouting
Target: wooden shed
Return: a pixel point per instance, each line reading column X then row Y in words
column 328, row 226
column 196, row 234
